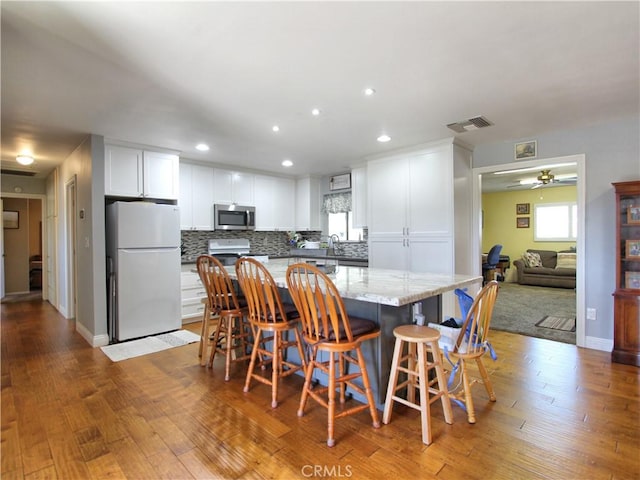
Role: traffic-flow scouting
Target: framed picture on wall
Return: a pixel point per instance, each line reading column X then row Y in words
column 526, row 150
column 10, row 219
column 522, row 222
column 522, row 209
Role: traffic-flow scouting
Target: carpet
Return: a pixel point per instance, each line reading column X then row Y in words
column 144, row 346
column 568, row 324
column 519, row 307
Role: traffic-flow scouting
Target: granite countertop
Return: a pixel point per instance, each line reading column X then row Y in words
column 189, row 259
column 377, row 285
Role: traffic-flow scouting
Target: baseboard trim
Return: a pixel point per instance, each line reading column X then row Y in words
column 595, row 343
column 93, row 340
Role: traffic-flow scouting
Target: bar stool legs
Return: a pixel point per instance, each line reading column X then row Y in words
column 420, row 341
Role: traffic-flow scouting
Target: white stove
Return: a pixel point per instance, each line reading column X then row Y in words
column 228, row 250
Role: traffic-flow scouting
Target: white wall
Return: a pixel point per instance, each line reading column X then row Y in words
column 612, row 152
column 87, row 164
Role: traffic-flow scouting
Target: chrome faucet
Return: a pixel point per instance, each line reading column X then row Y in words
column 334, row 242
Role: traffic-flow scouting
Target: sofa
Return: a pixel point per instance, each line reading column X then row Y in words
column 547, row 268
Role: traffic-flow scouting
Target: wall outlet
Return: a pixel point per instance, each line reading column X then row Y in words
column 591, row 313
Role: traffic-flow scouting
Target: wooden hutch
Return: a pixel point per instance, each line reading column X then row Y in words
column 626, row 335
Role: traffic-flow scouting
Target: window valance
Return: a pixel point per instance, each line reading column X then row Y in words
column 337, row 203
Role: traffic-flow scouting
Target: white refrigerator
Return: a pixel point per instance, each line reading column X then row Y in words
column 143, row 261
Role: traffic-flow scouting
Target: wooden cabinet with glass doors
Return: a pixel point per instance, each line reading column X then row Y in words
column 626, row 335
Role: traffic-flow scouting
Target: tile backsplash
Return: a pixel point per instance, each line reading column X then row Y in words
column 195, row 242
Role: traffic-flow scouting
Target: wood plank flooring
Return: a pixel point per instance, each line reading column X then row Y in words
column 69, row 412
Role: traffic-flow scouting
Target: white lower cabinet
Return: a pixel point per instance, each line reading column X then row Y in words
column 192, row 292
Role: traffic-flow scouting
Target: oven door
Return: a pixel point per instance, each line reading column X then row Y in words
column 227, row 259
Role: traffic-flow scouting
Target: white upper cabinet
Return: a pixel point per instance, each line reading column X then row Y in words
column 275, row 203
column 233, row 187
column 412, row 206
column 160, row 175
column 359, row 196
column 307, row 204
column 196, row 197
column 123, row 171
column 132, row 172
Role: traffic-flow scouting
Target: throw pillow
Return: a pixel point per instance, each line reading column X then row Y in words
column 531, row 259
column 566, row 260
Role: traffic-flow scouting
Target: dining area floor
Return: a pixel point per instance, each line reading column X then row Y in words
column 69, row 412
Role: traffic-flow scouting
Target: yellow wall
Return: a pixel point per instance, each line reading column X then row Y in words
column 499, row 223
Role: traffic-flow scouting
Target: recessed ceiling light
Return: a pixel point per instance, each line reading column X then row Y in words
column 203, row 147
column 384, row 138
column 275, row 128
column 287, row 163
column 24, row 159
column 315, row 112
column 369, row 91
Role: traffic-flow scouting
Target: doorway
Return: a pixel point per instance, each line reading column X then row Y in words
column 579, row 161
column 70, row 206
column 23, row 244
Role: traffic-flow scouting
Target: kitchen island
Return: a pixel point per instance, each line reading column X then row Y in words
column 387, row 297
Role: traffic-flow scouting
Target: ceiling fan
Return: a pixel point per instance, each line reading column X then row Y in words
column 546, row 178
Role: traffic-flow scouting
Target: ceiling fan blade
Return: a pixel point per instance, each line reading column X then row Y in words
column 538, row 185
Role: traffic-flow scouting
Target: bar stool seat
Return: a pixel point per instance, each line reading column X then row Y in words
column 419, row 341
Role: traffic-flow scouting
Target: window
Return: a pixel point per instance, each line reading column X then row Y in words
column 337, row 206
column 555, row 222
column 341, row 224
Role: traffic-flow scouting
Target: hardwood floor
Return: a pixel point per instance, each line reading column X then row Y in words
column 69, row 412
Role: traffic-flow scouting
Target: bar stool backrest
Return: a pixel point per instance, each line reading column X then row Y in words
column 475, row 329
column 260, row 291
column 321, row 308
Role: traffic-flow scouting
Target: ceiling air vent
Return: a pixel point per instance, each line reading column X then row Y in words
column 22, row 173
column 468, row 125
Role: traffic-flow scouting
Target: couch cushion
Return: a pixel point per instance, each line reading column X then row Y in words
column 566, row 260
column 548, row 257
column 555, row 272
column 531, row 259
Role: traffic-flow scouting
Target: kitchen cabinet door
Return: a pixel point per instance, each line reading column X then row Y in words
column 196, row 197
column 265, row 214
column 387, row 196
column 185, row 198
column 307, row 204
column 388, row 251
column 123, row 171
column 275, row 203
column 284, row 196
column 160, row 175
column 430, row 194
column 202, row 197
column 359, row 197
column 131, row 172
column 233, row 187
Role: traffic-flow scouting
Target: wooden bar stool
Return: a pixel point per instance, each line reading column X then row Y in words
column 232, row 332
column 419, row 341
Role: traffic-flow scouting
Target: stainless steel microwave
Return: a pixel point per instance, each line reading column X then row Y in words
column 234, row 217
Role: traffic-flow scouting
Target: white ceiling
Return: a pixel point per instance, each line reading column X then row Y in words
column 172, row 74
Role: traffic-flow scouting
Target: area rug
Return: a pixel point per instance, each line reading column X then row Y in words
column 144, row 346
column 567, row 324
